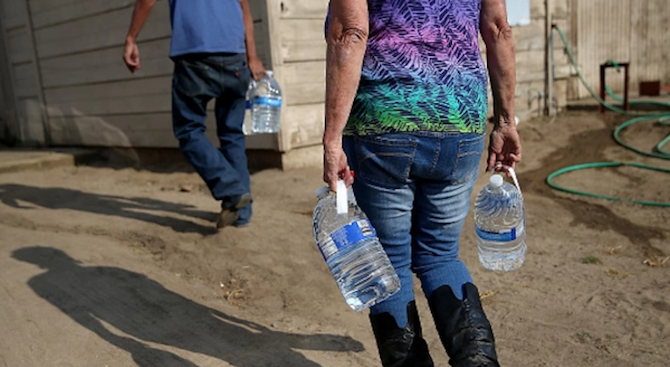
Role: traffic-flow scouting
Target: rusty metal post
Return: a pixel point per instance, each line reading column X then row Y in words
column 548, row 66
column 626, row 104
column 601, row 107
column 603, row 68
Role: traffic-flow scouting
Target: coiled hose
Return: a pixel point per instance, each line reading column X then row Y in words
column 662, row 117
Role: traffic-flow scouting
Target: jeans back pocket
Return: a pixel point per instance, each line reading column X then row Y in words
column 191, row 77
column 468, row 158
column 385, row 160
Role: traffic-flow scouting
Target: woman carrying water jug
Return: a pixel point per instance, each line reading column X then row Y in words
column 406, row 109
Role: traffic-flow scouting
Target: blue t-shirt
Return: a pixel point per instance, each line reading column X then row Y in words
column 206, row 26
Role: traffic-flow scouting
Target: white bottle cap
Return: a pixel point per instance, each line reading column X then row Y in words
column 496, row 181
column 269, row 73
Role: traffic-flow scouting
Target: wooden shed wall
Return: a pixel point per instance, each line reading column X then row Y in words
column 531, row 60
column 9, row 127
column 299, row 53
column 62, row 75
column 88, row 96
column 635, row 31
column 21, row 79
column 91, row 99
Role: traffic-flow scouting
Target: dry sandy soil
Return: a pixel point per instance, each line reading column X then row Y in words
column 106, row 266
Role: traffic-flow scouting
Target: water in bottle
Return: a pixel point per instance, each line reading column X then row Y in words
column 500, row 225
column 352, row 251
column 266, row 105
column 246, row 126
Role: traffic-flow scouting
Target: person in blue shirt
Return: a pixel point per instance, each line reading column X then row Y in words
column 214, row 57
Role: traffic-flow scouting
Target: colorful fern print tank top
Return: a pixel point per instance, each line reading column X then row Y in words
column 422, row 71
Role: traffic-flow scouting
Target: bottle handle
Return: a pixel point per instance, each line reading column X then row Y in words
column 342, row 199
column 511, row 173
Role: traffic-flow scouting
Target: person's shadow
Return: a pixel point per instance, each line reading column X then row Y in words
column 148, row 312
column 129, row 207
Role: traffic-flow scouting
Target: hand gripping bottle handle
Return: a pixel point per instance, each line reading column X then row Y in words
column 342, row 203
column 512, row 173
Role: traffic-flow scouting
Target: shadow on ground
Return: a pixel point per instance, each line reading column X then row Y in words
column 139, row 208
column 142, row 311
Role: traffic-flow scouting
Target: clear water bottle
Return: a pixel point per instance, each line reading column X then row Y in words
column 352, row 251
column 266, row 105
column 500, row 223
column 246, row 126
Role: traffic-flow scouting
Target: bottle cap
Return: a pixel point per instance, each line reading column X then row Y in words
column 269, row 73
column 496, row 181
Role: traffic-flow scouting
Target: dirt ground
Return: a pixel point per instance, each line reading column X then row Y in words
column 104, row 266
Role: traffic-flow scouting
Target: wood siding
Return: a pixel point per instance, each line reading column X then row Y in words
column 63, row 77
column 21, row 88
column 88, row 97
column 299, row 51
column 624, row 31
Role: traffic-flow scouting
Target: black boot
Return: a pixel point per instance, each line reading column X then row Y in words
column 463, row 327
column 401, row 347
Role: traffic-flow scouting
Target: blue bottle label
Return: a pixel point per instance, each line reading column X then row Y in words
column 347, row 236
column 502, row 235
column 267, row 101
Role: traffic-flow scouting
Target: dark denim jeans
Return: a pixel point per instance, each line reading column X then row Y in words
column 415, row 189
column 197, row 79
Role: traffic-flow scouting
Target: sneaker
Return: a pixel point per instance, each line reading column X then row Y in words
column 229, row 216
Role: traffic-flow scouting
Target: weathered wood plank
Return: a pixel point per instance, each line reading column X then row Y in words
column 305, row 82
column 9, row 124
column 105, row 65
column 302, row 126
column 262, row 38
column 25, row 81
column 297, row 51
column 302, row 40
column 41, row 6
column 530, row 62
column 31, row 120
column 152, row 95
column 531, row 37
column 149, row 95
column 139, row 131
column 274, row 32
column 13, row 13
column 70, row 11
column 301, row 9
column 84, row 89
column 310, row 156
column 654, row 64
column 99, row 31
column 19, row 45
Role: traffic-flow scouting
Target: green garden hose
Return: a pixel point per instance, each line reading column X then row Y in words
column 601, row 165
column 662, row 117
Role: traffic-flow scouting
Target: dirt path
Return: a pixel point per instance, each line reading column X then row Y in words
column 105, row 267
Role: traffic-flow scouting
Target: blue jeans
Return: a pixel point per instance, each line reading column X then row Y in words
column 415, row 189
column 197, row 79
